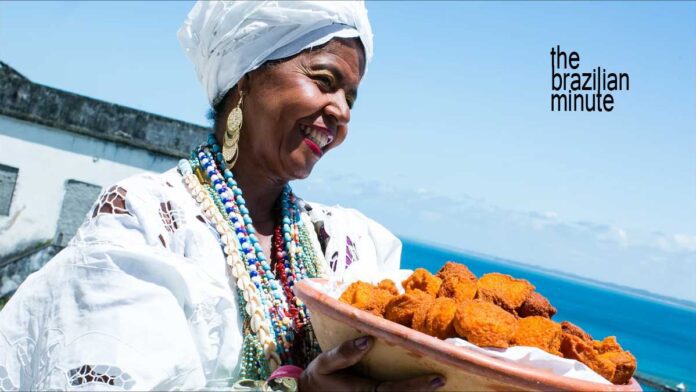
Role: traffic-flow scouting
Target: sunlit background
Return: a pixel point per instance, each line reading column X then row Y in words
column 452, row 140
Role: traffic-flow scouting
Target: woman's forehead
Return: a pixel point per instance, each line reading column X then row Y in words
column 348, row 52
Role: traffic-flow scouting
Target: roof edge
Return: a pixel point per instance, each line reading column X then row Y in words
column 25, row 100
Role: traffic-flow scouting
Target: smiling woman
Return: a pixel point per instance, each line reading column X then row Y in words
column 181, row 280
column 297, row 109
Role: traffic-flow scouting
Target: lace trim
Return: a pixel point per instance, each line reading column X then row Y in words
column 103, row 374
column 38, row 368
column 173, row 218
column 5, row 382
column 351, row 252
column 112, row 201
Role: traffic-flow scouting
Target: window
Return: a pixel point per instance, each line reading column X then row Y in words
column 79, row 197
column 8, row 179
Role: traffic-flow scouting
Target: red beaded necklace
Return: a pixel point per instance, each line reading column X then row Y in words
column 281, row 268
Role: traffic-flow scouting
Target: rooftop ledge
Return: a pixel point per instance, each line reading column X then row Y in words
column 25, row 100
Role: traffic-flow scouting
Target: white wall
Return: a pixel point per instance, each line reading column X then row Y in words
column 47, row 158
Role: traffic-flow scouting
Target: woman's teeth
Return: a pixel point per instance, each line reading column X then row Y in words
column 319, row 138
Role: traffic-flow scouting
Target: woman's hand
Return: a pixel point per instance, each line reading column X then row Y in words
column 330, row 372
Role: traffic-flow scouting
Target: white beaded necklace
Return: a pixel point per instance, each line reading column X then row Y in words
column 266, row 308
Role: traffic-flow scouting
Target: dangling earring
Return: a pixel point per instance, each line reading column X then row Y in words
column 234, row 126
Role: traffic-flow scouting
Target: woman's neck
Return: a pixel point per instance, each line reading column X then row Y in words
column 261, row 193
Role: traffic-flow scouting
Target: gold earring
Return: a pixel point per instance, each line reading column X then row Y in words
column 234, row 126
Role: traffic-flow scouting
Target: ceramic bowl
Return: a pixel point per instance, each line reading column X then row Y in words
column 400, row 352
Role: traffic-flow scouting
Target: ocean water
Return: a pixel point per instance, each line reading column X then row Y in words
column 661, row 335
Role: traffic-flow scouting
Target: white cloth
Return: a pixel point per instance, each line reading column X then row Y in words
column 226, row 39
column 141, row 298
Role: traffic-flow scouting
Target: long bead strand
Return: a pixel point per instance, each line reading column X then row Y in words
column 252, row 306
column 272, row 312
column 259, row 268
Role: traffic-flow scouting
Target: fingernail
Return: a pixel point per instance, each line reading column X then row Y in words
column 437, row 382
column 361, row 343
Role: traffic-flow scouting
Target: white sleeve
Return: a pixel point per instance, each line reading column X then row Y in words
column 139, row 300
column 355, row 246
column 387, row 246
column 83, row 323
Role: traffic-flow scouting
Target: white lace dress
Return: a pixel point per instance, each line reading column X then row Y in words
column 141, row 298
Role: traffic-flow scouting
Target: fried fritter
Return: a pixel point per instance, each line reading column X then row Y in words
column 536, row 305
column 389, row 285
column 537, row 331
column 422, row 280
column 615, row 366
column 484, row 324
column 367, row 297
column 624, row 361
column 609, row 344
column 455, row 269
column 574, row 347
column 401, row 308
column 494, row 311
column 570, row 328
column 504, row 290
column 458, row 288
column 436, row 318
column 625, row 364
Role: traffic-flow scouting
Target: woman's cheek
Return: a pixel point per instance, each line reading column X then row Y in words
column 309, row 95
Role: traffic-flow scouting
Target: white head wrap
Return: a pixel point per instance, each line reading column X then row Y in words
column 226, row 39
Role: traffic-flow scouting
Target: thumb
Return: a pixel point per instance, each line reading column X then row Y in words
column 343, row 356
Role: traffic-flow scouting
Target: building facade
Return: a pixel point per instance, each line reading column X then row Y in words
column 58, row 150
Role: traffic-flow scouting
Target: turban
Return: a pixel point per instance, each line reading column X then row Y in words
column 225, row 40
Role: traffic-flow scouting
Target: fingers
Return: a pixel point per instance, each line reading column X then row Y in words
column 325, row 372
column 345, row 382
column 343, row 356
column 340, row 381
column 423, row 383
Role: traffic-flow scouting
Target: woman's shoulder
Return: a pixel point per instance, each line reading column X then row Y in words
column 151, row 214
column 346, row 221
column 352, row 242
column 145, row 184
column 322, row 211
column 325, row 211
column 136, row 200
column 136, row 195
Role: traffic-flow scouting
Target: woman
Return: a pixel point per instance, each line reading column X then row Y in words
column 182, row 280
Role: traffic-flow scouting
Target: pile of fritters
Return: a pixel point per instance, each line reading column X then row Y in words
column 495, row 310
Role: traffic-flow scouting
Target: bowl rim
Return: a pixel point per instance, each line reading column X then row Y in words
column 426, row 345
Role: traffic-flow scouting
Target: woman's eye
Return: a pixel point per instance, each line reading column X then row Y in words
column 326, row 80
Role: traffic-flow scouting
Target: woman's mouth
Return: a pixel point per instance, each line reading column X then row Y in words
column 316, row 138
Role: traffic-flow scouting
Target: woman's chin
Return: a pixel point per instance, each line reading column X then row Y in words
column 303, row 172
column 302, row 164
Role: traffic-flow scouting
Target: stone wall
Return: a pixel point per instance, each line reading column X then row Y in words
column 22, row 99
column 58, row 151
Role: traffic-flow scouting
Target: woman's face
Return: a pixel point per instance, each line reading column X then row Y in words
column 297, row 110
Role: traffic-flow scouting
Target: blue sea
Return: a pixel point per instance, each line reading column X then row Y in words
column 661, row 335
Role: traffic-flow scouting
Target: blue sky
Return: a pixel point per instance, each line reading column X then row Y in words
column 452, row 139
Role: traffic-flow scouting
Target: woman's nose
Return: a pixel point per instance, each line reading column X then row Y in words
column 338, row 108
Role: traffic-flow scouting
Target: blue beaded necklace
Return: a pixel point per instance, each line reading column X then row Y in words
column 298, row 260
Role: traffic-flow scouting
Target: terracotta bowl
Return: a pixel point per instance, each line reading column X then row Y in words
column 400, row 352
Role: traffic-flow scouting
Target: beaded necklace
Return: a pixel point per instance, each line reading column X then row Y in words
column 274, row 318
